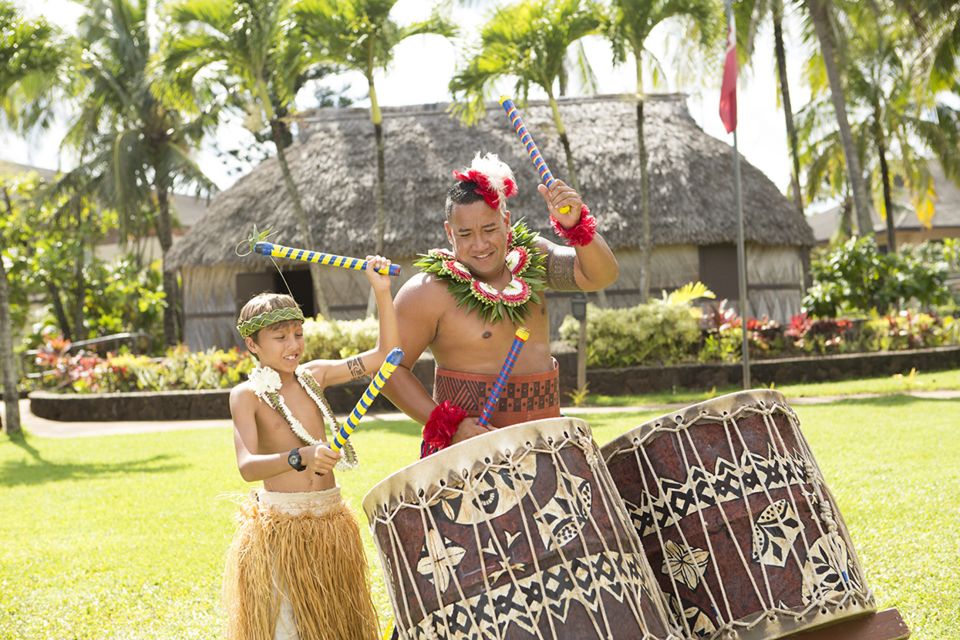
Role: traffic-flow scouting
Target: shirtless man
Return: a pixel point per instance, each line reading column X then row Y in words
column 469, row 333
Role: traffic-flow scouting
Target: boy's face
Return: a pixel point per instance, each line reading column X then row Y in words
column 478, row 235
column 279, row 346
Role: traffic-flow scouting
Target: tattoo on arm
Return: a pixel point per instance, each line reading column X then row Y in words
column 355, row 365
column 560, row 273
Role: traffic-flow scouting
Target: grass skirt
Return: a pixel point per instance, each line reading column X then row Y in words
column 301, row 552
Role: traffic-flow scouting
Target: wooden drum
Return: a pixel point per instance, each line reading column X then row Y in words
column 736, row 520
column 512, row 535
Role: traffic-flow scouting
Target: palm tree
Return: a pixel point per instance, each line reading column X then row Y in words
column 529, row 41
column 821, row 14
column 256, row 51
column 628, row 25
column 891, row 99
column 359, row 35
column 134, row 144
column 31, row 53
column 751, row 14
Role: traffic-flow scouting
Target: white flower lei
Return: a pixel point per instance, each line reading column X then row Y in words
column 266, row 385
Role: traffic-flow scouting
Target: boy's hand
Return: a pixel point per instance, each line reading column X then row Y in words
column 378, row 281
column 320, row 458
column 562, row 195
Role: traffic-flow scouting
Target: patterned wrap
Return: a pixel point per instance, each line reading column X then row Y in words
column 517, row 534
column 736, row 520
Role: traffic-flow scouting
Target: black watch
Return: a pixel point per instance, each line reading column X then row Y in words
column 294, row 460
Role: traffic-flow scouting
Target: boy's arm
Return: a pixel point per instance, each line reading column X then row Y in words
column 259, row 466
column 333, row 372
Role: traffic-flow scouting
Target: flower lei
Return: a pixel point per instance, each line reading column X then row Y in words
column 266, row 385
column 527, row 265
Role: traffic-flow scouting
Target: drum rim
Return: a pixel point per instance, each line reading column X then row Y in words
column 722, row 405
column 457, row 459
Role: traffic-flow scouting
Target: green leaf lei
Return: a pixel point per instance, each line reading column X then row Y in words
column 524, row 259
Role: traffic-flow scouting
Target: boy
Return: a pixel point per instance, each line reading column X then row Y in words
column 296, row 568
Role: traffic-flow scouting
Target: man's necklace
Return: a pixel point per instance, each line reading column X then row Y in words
column 528, row 272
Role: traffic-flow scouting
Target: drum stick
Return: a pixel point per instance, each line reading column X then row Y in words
column 518, row 339
column 304, row 255
column 389, row 365
column 513, row 114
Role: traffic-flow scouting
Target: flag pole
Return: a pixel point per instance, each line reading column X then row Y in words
column 741, row 249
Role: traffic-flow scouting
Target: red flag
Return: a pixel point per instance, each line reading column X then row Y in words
column 728, row 90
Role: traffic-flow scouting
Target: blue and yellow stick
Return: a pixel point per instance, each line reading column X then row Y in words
column 329, row 259
column 513, row 114
column 350, row 424
column 519, row 338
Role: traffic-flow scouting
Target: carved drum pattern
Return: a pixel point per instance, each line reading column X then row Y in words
column 736, row 519
column 512, row 535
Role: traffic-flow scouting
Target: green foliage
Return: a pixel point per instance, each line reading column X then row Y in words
column 334, row 339
column 645, row 334
column 855, row 277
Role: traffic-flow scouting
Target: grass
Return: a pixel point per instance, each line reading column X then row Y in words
column 900, row 383
column 124, row 536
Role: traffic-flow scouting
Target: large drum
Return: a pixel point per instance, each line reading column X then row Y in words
column 511, row 535
column 736, row 520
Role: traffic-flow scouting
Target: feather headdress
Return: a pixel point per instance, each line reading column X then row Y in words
column 493, row 178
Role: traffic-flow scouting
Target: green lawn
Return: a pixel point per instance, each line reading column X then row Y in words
column 901, row 383
column 124, row 536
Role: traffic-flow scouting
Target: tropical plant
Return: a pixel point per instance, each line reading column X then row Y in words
column 896, row 117
column 628, row 24
column 256, row 52
column 359, row 35
column 528, row 41
column 134, row 143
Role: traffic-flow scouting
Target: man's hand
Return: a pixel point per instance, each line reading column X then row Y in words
column 379, row 281
column 320, row 458
column 562, row 195
column 468, row 428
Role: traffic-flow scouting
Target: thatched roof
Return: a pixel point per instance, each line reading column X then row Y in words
column 335, row 168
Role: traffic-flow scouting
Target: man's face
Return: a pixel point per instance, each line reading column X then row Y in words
column 279, row 346
column 478, row 235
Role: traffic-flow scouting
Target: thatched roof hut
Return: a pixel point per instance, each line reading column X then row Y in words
column 693, row 225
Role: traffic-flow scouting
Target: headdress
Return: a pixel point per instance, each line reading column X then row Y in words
column 493, row 178
column 250, row 326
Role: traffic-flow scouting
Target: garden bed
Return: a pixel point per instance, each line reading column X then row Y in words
column 196, row 405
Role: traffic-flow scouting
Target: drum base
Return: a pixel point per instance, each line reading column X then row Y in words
column 884, row 625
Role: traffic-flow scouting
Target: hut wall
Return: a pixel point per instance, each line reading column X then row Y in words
column 774, row 281
column 209, row 306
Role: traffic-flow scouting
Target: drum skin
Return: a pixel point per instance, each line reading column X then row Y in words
column 515, row 534
column 735, row 517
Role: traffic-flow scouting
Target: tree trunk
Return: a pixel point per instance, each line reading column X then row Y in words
column 79, row 285
column 9, row 364
column 820, row 15
column 165, row 237
column 379, row 188
column 787, row 108
column 316, row 272
column 565, row 141
column 885, row 177
column 646, row 248
column 58, row 309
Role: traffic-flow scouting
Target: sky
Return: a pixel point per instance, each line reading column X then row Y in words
column 423, row 66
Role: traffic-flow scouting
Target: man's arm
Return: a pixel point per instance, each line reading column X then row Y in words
column 417, row 318
column 589, row 267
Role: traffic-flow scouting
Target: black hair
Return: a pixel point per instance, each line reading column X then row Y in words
column 462, row 192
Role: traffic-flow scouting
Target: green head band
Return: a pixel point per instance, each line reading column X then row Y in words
column 249, row 327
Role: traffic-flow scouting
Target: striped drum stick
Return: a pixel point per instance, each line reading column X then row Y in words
column 304, row 255
column 513, row 114
column 519, row 338
column 350, row 424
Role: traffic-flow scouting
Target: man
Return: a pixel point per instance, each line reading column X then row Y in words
column 467, row 304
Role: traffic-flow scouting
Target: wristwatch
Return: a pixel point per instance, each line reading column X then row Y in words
column 294, row 460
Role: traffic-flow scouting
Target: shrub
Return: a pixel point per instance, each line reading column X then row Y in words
column 333, row 339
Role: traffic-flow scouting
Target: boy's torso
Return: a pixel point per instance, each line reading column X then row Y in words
column 274, row 435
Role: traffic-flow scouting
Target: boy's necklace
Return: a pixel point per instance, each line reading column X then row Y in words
column 266, row 385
